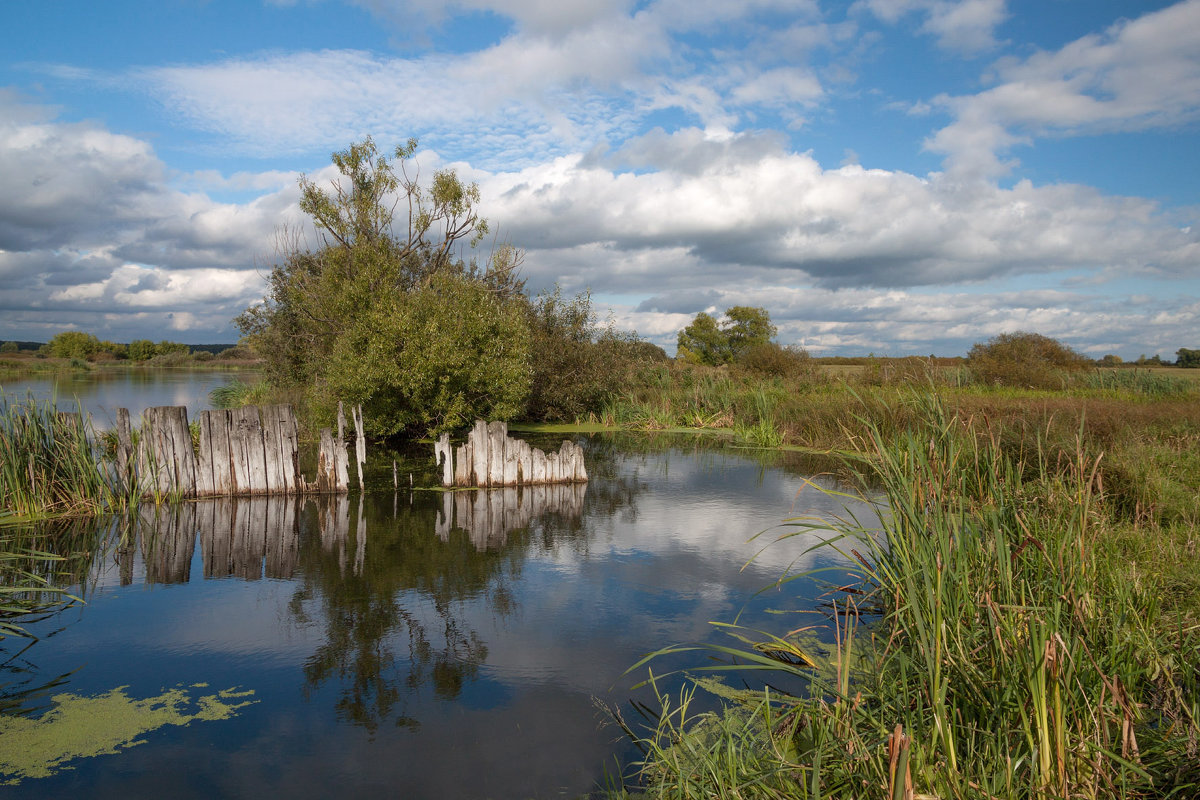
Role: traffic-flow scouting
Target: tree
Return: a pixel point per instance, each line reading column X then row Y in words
column 141, row 350
column 9, row 347
column 703, row 342
column 706, row 341
column 380, row 294
column 73, row 344
column 747, row 327
column 1187, row 358
column 577, row 362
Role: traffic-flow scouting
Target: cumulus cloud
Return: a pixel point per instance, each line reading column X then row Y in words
column 90, row 227
column 1136, row 75
column 746, row 206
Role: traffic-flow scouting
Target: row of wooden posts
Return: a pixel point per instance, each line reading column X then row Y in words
column 242, row 451
column 490, row 457
column 255, row 451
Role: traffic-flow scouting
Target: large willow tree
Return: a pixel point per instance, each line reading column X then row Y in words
column 385, row 310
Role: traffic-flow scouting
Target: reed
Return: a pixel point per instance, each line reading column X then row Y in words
column 49, row 464
column 991, row 643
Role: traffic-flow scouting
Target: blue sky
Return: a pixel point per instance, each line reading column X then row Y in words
column 887, row 176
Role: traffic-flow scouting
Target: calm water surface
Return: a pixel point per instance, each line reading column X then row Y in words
column 402, row 644
column 102, row 391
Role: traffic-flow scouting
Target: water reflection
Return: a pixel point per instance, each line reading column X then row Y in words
column 418, row 642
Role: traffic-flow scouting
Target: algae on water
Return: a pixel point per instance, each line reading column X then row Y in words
column 80, row 727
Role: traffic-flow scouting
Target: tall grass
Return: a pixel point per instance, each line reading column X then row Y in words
column 49, row 464
column 991, row 644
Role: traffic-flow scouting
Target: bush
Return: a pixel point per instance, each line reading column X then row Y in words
column 73, row 344
column 141, row 350
column 770, row 359
column 238, row 353
column 432, row 359
column 577, row 364
column 9, row 347
column 1026, row 360
column 202, row 355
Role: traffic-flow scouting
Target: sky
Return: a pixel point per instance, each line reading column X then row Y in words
column 894, row 177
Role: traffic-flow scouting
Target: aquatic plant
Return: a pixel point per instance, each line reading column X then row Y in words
column 48, row 461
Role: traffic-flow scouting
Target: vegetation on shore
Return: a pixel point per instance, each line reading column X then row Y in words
column 1011, row 632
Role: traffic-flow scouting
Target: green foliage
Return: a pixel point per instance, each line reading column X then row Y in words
column 772, row 360
column 165, row 348
column 578, row 365
column 747, row 327
column 9, row 347
column 1187, row 358
column 706, row 341
column 141, row 350
column 1027, row 360
column 73, row 344
column 432, row 359
column 389, row 315
column 703, row 342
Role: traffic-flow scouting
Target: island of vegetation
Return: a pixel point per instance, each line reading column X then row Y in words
column 1026, row 624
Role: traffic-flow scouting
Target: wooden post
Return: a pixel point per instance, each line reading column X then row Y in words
column 443, row 450
column 497, row 433
column 479, row 444
column 360, row 445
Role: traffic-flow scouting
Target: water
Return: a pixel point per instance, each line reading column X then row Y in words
column 101, row 391
column 402, row 643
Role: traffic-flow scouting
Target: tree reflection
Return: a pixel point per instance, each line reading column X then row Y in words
column 393, row 612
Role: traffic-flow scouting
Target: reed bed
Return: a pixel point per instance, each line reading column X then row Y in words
column 49, row 463
column 992, row 643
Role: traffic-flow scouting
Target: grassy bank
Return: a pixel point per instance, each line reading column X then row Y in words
column 1019, row 628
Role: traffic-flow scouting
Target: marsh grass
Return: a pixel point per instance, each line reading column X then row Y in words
column 49, row 463
column 992, row 643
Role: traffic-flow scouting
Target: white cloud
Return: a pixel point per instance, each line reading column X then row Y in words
column 1137, row 75
column 966, row 26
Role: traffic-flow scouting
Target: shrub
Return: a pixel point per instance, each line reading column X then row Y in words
column 9, row 347
column 74, row 344
column 238, row 353
column 779, row 362
column 1027, row 360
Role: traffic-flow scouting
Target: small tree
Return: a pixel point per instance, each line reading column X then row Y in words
column 385, row 311
column 1024, row 359
column 706, row 341
column 9, row 347
column 141, row 350
column 1187, row 358
column 74, row 344
column 747, row 327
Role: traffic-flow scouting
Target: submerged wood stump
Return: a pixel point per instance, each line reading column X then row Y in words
column 490, row 458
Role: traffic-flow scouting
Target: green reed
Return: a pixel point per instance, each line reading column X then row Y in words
column 990, row 643
column 49, row 463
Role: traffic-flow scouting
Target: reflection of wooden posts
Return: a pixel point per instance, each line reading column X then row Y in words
column 490, row 458
column 488, row 517
column 240, row 452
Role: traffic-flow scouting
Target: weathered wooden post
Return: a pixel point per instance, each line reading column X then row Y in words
column 443, row 456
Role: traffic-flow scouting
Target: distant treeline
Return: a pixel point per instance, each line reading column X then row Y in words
column 88, row 347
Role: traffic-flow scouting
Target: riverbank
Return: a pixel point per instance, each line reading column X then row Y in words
column 1025, row 624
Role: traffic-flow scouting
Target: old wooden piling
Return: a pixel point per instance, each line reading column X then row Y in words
column 490, row 458
column 240, row 452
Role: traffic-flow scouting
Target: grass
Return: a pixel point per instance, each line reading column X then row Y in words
column 996, row 641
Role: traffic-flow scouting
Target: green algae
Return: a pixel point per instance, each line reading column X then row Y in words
column 82, row 727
